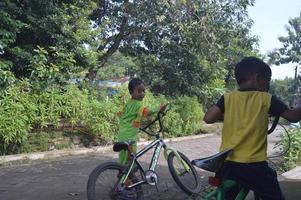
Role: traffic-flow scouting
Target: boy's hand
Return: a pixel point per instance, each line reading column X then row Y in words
column 162, row 107
column 297, row 102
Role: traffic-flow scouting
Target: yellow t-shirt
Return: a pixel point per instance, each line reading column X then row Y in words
column 245, row 125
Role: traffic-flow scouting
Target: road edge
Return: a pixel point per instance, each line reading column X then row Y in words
column 47, row 155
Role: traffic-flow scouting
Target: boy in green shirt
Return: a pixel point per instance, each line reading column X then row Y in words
column 133, row 112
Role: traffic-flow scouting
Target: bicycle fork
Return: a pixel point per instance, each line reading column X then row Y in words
column 167, row 151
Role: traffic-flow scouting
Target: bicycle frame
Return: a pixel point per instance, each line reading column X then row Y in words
column 219, row 192
column 158, row 144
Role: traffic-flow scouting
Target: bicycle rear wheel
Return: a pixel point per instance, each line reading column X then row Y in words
column 187, row 180
column 103, row 182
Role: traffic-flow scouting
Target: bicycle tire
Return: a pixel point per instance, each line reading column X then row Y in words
column 192, row 184
column 106, row 188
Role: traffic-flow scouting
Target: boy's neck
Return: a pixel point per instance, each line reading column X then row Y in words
column 247, row 86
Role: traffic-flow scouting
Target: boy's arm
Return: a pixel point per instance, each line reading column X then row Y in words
column 278, row 108
column 216, row 112
column 149, row 111
column 213, row 114
column 293, row 115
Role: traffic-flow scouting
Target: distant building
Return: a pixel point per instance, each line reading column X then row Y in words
column 115, row 82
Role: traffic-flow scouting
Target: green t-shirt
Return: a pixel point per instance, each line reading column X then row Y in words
column 131, row 119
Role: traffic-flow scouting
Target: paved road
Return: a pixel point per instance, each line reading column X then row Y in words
column 66, row 178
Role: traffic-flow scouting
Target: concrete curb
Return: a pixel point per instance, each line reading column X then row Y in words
column 293, row 174
column 80, row 151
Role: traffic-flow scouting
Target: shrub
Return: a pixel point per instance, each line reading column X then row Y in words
column 102, row 120
column 23, row 112
column 49, row 108
column 36, row 142
column 17, row 114
column 293, row 144
column 76, row 105
column 191, row 113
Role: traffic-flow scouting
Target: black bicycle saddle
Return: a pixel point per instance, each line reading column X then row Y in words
column 212, row 163
column 118, row 146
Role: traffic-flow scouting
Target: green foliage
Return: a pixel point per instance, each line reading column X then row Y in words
column 9, row 27
column 46, row 74
column 211, row 94
column 17, row 115
column 103, row 121
column 291, row 49
column 293, row 155
column 183, row 45
column 50, row 108
column 184, row 117
column 36, row 142
column 22, row 112
column 117, row 66
column 47, row 41
column 75, row 104
column 173, row 124
column 284, row 89
column 179, row 46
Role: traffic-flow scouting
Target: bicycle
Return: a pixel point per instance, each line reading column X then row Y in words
column 125, row 177
column 213, row 164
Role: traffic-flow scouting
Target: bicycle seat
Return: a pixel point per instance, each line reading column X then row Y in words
column 212, row 163
column 118, row 146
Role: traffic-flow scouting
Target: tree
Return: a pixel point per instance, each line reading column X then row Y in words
column 181, row 46
column 284, row 89
column 117, row 65
column 290, row 52
column 47, row 41
column 185, row 47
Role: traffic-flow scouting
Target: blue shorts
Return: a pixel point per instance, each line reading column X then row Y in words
column 258, row 177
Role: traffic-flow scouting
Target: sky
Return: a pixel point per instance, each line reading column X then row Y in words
column 270, row 18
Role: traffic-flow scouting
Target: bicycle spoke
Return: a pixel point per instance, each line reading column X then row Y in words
column 106, row 183
column 186, row 177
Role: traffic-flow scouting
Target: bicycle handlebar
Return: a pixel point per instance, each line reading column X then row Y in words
column 159, row 116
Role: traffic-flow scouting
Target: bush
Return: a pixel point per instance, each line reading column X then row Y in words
column 102, row 121
column 36, row 142
column 191, row 113
column 22, row 112
column 293, row 144
column 17, row 114
column 49, row 108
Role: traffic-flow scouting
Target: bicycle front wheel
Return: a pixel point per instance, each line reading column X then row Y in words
column 187, row 179
column 103, row 183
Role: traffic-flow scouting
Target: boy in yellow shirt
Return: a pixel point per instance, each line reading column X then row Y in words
column 246, row 114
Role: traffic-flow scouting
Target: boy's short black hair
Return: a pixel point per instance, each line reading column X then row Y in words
column 251, row 65
column 133, row 83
